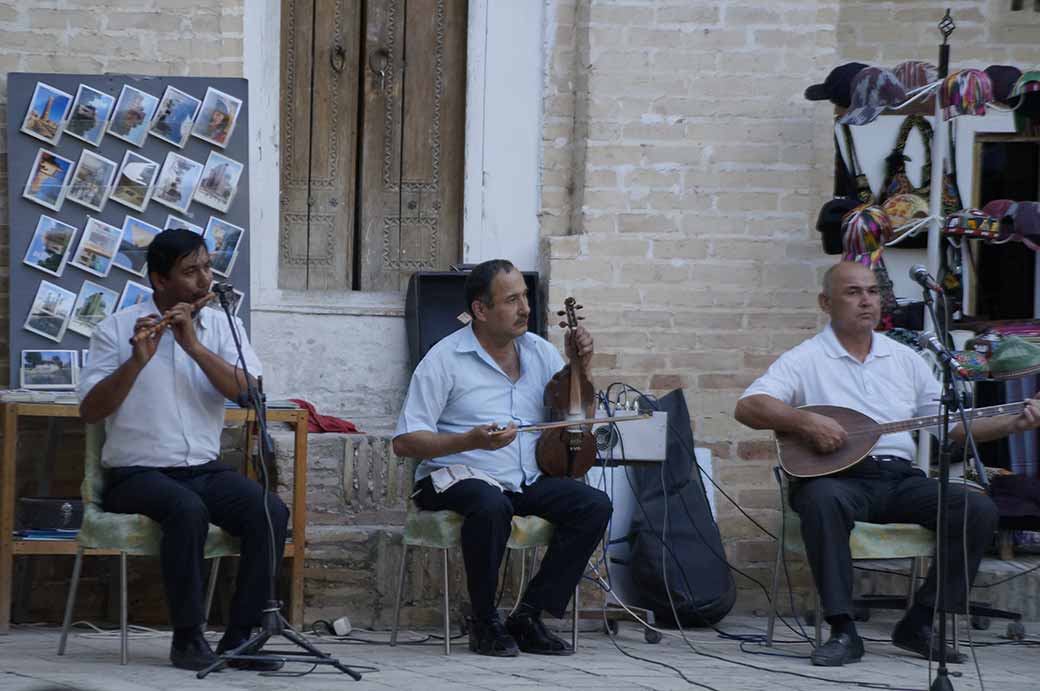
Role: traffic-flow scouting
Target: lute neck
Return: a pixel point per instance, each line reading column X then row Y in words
column 933, row 420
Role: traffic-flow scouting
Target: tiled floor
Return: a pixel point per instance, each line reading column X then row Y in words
column 28, row 661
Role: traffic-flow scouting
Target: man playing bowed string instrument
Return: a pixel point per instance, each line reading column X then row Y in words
column 161, row 390
column 490, row 371
column 848, row 364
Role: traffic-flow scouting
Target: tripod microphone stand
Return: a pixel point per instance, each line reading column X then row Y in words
column 948, row 401
column 272, row 623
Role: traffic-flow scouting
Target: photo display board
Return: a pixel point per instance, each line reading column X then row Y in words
column 97, row 165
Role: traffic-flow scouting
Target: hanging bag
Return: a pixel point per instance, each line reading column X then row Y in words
column 861, row 185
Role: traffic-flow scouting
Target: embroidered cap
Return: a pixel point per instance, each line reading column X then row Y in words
column 829, row 222
column 873, row 90
column 1025, row 98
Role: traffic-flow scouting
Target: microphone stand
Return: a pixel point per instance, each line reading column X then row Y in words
column 272, row 623
column 948, row 401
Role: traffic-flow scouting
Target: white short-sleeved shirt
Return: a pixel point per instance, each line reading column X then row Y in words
column 458, row 386
column 893, row 383
column 173, row 414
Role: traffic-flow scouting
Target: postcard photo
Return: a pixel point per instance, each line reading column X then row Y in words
column 133, row 247
column 217, row 117
column 92, row 181
column 47, row 112
column 90, row 114
column 133, row 294
column 219, row 182
column 50, row 245
column 175, row 222
column 174, row 116
column 132, row 115
column 47, row 179
column 97, row 246
column 49, row 369
column 93, row 304
column 133, row 186
column 50, row 311
column 177, row 182
column 222, row 241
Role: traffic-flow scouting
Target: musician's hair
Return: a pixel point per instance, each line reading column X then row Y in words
column 169, row 246
column 478, row 283
column 827, row 284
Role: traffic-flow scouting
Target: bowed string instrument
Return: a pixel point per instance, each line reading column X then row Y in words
column 568, row 450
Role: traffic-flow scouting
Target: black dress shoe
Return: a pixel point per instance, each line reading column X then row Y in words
column 270, row 665
column 840, row 649
column 193, row 653
column 917, row 638
column 489, row 637
column 532, row 636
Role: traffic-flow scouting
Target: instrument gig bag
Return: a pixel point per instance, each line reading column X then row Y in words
column 698, row 576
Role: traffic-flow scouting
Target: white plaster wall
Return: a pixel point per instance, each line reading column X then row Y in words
column 503, row 131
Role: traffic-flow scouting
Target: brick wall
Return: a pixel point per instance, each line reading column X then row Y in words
column 682, row 172
column 167, row 37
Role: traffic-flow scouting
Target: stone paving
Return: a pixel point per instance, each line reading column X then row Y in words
column 28, row 661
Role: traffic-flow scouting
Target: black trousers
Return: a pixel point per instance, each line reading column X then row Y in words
column 579, row 515
column 889, row 492
column 184, row 501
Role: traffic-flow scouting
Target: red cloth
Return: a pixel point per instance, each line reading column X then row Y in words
column 324, row 423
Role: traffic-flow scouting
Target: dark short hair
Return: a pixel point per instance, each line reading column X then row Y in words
column 169, row 246
column 478, row 283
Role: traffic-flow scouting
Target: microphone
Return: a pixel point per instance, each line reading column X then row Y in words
column 929, row 341
column 919, row 274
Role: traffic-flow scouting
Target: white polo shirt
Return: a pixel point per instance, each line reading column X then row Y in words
column 458, row 386
column 893, row 383
column 173, row 414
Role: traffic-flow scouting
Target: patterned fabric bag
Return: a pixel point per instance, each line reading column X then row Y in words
column 896, row 179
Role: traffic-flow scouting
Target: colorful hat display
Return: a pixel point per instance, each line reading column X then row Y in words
column 837, row 87
column 864, row 232
column 873, row 90
column 905, row 208
column 965, row 92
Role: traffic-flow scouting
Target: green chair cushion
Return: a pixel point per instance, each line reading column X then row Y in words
column 128, row 532
column 443, row 529
column 871, row 540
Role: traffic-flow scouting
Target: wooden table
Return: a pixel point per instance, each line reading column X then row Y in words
column 10, row 546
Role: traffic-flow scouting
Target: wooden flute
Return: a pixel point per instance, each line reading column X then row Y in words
column 165, row 321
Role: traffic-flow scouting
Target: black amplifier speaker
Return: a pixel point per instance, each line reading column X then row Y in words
column 437, row 299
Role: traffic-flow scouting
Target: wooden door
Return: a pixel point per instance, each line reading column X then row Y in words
column 373, row 108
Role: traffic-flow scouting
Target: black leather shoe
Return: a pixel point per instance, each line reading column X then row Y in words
column 840, row 649
column 194, row 653
column 249, row 665
column 532, row 636
column 489, row 637
column 916, row 639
